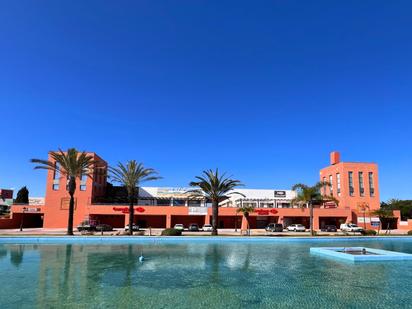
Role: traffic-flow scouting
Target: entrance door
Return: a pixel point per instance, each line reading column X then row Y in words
column 261, row 222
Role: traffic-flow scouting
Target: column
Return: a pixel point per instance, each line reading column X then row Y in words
column 168, row 221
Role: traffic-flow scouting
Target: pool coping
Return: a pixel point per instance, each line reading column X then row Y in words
column 148, row 239
column 382, row 255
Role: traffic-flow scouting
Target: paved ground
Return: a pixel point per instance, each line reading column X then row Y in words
column 156, row 232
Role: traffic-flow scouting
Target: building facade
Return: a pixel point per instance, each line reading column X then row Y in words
column 354, row 185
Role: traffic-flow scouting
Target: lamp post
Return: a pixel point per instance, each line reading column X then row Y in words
column 21, row 222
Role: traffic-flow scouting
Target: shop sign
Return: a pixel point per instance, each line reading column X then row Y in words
column 198, row 211
column 280, row 193
column 125, row 210
column 265, row 212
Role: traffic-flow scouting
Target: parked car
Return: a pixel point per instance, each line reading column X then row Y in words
column 207, row 228
column 179, row 227
column 104, row 227
column 329, row 228
column 350, row 227
column 86, row 226
column 194, row 227
column 296, row 228
column 274, row 227
column 135, row 227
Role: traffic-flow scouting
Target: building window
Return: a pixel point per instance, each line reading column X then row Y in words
column 361, row 185
column 371, row 185
column 324, row 186
column 194, row 203
column 163, row 202
column 56, row 177
column 331, row 184
column 177, row 202
column 83, row 180
column 338, row 183
column 351, row 188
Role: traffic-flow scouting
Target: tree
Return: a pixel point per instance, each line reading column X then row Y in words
column 71, row 164
column 385, row 216
column 214, row 187
column 307, row 196
column 131, row 176
column 22, row 196
column 246, row 210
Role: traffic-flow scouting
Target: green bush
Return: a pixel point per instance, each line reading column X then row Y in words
column 410, row 232
column 171, row 232
column 369, row 233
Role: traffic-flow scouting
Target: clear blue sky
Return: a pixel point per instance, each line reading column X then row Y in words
column 261, row 89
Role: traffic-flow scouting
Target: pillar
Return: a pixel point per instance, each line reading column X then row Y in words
column 244, row 223
column 168, row 221
column 207, row 219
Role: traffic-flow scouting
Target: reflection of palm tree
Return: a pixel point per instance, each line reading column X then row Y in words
column 246, row 264
column 16, row 255
column 3, row 252
column 66, row 271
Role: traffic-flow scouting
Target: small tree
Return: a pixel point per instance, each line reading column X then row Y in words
column 131, row 176
column 215, row 187
column 22, row 196
column 246, row 210
column 308, row 195
column 71, row 164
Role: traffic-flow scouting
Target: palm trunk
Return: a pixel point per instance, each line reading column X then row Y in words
column 311, row 218
column 131, row 215
column 215, row 216
column 72, row 189
column 247, row 223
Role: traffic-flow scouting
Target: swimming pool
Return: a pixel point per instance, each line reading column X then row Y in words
column 194, row 272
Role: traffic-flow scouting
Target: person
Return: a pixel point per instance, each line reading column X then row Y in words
column 363, row 251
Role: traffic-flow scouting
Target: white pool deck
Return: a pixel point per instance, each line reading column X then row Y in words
column 376, row 256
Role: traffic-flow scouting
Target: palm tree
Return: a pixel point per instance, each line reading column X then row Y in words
column 246, row 210
column 131, row 176
column 72, row 164
column 308, row 195
column 214, row 187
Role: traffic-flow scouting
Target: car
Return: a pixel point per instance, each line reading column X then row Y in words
column 274, row 227
column 207, row 228
column 329, row 228
column 350, row 227
column 86, row 226
column 193, row 227
column 104, row 227
column 135, row 227
column 296, row 228
column 179, row 227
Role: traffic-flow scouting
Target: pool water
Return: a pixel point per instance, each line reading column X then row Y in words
column 200, row 273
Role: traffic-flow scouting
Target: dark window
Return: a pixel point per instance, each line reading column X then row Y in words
column 351, row 188
column 361, row 185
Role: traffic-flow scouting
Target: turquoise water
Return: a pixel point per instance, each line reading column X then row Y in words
column 195, row 273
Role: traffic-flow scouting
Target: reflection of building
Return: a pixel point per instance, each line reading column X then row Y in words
column 353, row 184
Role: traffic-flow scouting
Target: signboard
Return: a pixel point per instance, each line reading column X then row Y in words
column 180, row 192
column 125, row 210
column 375, row 224
column 198, row 211
column 35, row 201
column 265, row 212
column 280, row 193
column 364, row 220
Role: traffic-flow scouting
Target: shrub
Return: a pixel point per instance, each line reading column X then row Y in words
column 410, row 232
column 369, row 233
column 171, row 232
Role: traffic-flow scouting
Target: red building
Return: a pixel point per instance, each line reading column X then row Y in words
column 355, row 185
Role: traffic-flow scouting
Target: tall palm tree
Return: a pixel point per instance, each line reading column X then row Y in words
column 72, row 164
column 246, row 210
column 131, row 176
column 308, row 195
column 214, row 187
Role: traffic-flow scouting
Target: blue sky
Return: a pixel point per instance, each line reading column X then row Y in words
column 263, row 90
